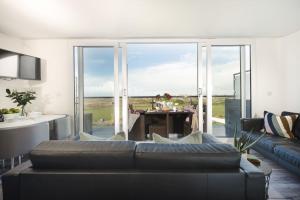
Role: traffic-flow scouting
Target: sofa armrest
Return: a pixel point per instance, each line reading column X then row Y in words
column 255, row 180
column 254, row 124
column 11, row 183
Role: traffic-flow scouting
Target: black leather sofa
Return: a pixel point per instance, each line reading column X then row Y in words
column 71, row 170
column 284, row 151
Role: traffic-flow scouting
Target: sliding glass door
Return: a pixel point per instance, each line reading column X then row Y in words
column 163, row 86
column 231, row 96
column 98, row 93
column 201, row 86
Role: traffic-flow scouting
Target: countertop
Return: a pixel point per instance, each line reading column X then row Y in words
column 29, row 121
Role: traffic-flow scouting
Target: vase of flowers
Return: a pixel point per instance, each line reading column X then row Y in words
column 21, row 98
column 164, row 102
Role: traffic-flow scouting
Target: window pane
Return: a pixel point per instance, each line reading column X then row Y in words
column 76, row 92
column 226, row 89
column 248, row 81
column 159, row 68
column 99, row 91
column 156, row 69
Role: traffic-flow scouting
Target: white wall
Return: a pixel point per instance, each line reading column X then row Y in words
column 57, row 90
column 276, row 78
column 266, row 75
column 290, row 64
column 16, row 45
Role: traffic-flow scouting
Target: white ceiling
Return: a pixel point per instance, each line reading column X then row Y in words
column 149, row 18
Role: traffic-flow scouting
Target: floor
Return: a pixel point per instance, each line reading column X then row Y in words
column 219, row 130
column 283, row 185
column 103, row 132
column 107, row 131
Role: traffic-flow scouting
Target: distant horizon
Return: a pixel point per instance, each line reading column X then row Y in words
column 155, row 95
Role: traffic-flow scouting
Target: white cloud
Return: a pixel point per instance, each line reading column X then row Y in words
column 178, row 78
column 222, row 76
column 98, row 86
column 96, row 61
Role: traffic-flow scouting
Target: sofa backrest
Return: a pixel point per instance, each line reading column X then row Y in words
column 128, row 155
column 83, row 155
column 186, row 156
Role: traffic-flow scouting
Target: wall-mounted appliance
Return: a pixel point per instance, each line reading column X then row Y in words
column 19, row 66
column 29, row 67
column 9, row 64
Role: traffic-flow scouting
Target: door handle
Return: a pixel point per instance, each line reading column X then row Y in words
column 199, row 92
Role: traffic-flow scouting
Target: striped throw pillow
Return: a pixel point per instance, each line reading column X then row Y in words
column 279, row 125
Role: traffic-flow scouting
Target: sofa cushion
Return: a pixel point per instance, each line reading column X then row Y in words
column 193, row 138
column 289, row 153
column 186, row 156
column 268, row 142
column 120, row 136
column 209, row 138
column 296, row 128
column 280, row 125
column 84, row 155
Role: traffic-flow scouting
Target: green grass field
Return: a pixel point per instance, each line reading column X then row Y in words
column 218, row 107
column 102, row 108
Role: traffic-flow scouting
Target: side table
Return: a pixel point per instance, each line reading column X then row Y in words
column 264, row 167
column 267, row 170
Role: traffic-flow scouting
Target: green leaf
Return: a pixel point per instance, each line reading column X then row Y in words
column 253, row 143
column 21, row 98
column 235, row 136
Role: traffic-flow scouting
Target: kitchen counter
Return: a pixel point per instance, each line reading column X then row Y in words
column 21, row 135
column 19, row 123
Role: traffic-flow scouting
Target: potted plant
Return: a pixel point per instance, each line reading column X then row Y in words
column 244, row 143
column 21, row 98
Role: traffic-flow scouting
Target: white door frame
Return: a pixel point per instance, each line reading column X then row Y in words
column 116, row 90
column 209, row 81
column 243, row 81
column 124, row 89
column 80, row 87
column 200, row 85
column 208, row 89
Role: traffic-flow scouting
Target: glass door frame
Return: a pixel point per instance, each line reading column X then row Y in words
column 208, row 43
column 79, row 84
column 200, row 83
column 125, row 113
column 209, row 81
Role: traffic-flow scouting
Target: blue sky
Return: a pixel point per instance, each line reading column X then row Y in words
column 98, row 61
column 145, row 55
column 159, row 68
